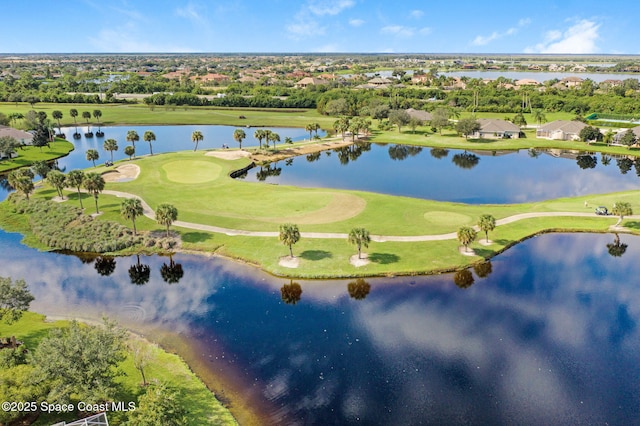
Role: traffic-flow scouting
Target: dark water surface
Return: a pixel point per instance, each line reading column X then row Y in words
column 476, row 177
column 549, row 336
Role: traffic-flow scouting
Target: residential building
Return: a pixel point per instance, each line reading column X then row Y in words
column 563, row 130
column 493, row 128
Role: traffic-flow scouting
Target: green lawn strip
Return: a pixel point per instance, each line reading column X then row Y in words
column 28, row 154
column 130, row 115
column 329, row 258
column 204, row 408
column 450, row 140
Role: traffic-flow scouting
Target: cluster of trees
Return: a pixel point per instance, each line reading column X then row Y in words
column 84, row 363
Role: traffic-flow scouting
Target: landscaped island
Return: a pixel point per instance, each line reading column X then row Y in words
column 240, row 220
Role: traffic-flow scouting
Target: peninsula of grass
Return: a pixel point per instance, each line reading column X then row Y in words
column 29, row 154
column 202, row 405
column 211, row 198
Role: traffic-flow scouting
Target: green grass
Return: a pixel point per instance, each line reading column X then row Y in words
column 28, row 154
column 224, row 202
column 121, row 114
column 449, row 139
column 204, row 408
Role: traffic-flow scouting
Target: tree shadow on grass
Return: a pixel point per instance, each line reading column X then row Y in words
column 384, row 258
column 196, row 237
column 632, row 224
column 316, row 254
column 483, row 252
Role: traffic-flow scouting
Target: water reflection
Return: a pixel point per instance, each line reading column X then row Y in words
column 171, row 272
column 465, row 160
column 290, row 293
column 139, row 273
column 463, row 278
column 484, row 269
column 553, row 323
column 617, row 248
column 104, row 265
column 358, row 289
column 586, row 161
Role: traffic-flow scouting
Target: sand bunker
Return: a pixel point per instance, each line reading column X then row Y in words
column 358, row 262
column 122, row 173
column 289, row 262
column 228, row 155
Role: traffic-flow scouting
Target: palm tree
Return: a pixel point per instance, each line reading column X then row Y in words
column 466, row 235
column 130, row 151
column 259, row 134
column 266, row 133
column 309, row 128
column 622, row 209
column 75, row 179
column 149, row 136
column 358, row 289
column 196, row 137
column 539, row 117
column 74, row 113
column 22, row 180
column 166, row 214
column 359, row 237
column 92, row 155
column 273, row 137
column 57, row 179
column 110, row 145
column 94, row 184
column 289, row 235
column 487, row 223
column 87, row 116
column 105, row 265
column 131, row 208
column 133, row 137
column 341, row 125
column 97, row 114
column 57, row 115
column 238, row 136
column 316, row 127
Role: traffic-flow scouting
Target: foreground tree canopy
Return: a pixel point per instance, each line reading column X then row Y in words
column 14, row 299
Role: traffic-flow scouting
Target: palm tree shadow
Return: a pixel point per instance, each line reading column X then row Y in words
column 483, row 252
column 632, row 224
column 196, row 237
column 384, row 258
column 316, row 254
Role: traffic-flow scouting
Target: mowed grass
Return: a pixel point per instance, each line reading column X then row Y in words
column 28, row 154
column 134, row 114
column 211, row 197
column 204, row 408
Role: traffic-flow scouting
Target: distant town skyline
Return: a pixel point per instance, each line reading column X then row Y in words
column 320, row 26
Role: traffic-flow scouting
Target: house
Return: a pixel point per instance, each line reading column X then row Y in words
column 618, row 136
column 310, row 81
column 572, row 81
column 380, row 82
column 219, row 78
column 562, row 130
column 419, row 114
column 24, row 138
column 527, row 82
column 420, row 79
column 493, row 128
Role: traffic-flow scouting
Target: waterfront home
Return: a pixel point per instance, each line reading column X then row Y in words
column 618, row 136
column 421, row 115
column 563, row 130
column 493, row 128
column 23, row 138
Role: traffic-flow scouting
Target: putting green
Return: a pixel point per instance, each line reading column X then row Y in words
column 191, row 171
column 442, row 218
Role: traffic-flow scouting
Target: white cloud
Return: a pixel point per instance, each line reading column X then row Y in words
column 403, row 31
column 484, row 40
column 579, row 38
column 329, row 7
column 305, row 21
column 356, row 22
column 190, row 11
column 416, row 14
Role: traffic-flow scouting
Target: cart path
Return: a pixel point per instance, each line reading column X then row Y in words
column 148, row 212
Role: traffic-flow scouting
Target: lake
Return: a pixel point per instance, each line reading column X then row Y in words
column 452, row 175
column 547, row 333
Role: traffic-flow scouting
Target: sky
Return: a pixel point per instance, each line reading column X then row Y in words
column 320, row 26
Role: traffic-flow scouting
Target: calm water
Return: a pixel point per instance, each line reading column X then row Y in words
column 549, row 336
column 168, row 139
column 452, row 175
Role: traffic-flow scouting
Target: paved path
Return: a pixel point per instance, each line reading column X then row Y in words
column 148, row 212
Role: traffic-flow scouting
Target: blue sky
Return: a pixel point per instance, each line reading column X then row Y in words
column 561, row 26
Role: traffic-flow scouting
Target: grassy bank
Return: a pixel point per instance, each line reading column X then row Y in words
column 199, row 186
column 123, row 114
column 202, row 405
column 28, row 154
